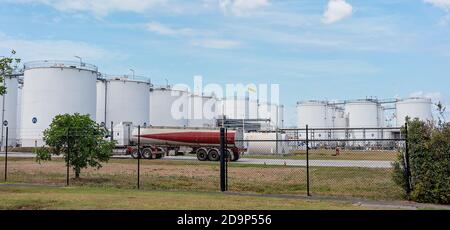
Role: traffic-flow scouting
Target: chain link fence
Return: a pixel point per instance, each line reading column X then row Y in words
column 347, row 162
column 317, row 162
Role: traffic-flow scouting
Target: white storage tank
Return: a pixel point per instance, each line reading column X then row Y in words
column 101, row 102
column 52, row 88
column 168, row 107
column 413, row 108
column 202, row 111
column 120, row 99
column 262, row 144
column 280, row 116
column 339, row 122
column 274, row 112
column 363, row 114
column 253, row 109
column 8, row 105
column 381, row 117
column 313, row 114
column 235, row 108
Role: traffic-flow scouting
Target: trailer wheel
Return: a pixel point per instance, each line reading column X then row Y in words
column 202, row 154
column 236, row 156
column 230, row 155
column 213, row 155
column 134, row 154
column 147, row 153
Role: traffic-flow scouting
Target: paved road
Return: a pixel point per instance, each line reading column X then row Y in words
column 318, row 163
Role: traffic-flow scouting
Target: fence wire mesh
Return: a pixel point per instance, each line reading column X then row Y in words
column 342, row 162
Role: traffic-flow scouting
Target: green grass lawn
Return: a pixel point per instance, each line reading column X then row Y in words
column 201, row 176
column 85, row 198
column 329, row 155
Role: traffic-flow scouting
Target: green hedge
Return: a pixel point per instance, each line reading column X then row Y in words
column 429, row 151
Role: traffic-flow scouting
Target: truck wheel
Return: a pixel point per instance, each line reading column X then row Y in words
column 202, row 155
column 230, row 155
column 235, row 157
column 134, row 154
column 147, row 153
column 213, row 155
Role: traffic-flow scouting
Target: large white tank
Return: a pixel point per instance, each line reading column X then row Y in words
column 52, row 88
column 123, row 100
column 381, row 117
column 262, row 144
column 101, row 102
column 202, row 111
column 274, row 112
column 339, row 122
column 8, row 105
column 413, row 108
column 253, row 109
column 235, row 108
column 280, row 116
column 19, row 110
column 313, row 114
column 363, row 114
column 169, row 107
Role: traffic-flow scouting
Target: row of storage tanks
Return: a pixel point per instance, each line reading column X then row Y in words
column 356, row 114
column 121, row 99
column 49, row 88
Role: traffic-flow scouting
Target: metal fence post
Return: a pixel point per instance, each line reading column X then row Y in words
column 68, row 156
column 112, row 131
column 6, row 155
column 139, row 158
column 407, row 168
column 227, row 158
column 222, row 160
column 307, row 161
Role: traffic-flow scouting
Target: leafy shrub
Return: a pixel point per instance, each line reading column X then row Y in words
column 429, row 153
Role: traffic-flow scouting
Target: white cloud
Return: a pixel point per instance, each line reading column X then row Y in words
column 216, row 43
column 167, row 30
column 99, row 7
column 199, row 38
column 52, row 49
column 241, row 7
column 443, row 4
column 336, row 11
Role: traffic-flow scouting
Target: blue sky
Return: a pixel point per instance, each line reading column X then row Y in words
column 315, row 49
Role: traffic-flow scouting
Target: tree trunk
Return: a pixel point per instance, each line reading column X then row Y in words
column 77, row 172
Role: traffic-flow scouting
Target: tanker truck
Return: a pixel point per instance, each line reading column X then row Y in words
column 155, row 142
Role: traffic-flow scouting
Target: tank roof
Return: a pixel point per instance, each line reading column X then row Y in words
column 117, row 77
column 59, row 64
column 415, row 99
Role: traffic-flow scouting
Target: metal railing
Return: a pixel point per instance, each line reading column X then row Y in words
column 126, row 77
column 60, row 64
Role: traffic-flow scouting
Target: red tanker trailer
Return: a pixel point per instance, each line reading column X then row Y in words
column 205, row 143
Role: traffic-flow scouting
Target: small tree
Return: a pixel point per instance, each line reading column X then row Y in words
column 79, row 139
column 429, row 151
column 7, row 66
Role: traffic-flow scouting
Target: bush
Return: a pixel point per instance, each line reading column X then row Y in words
column 429, row 153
